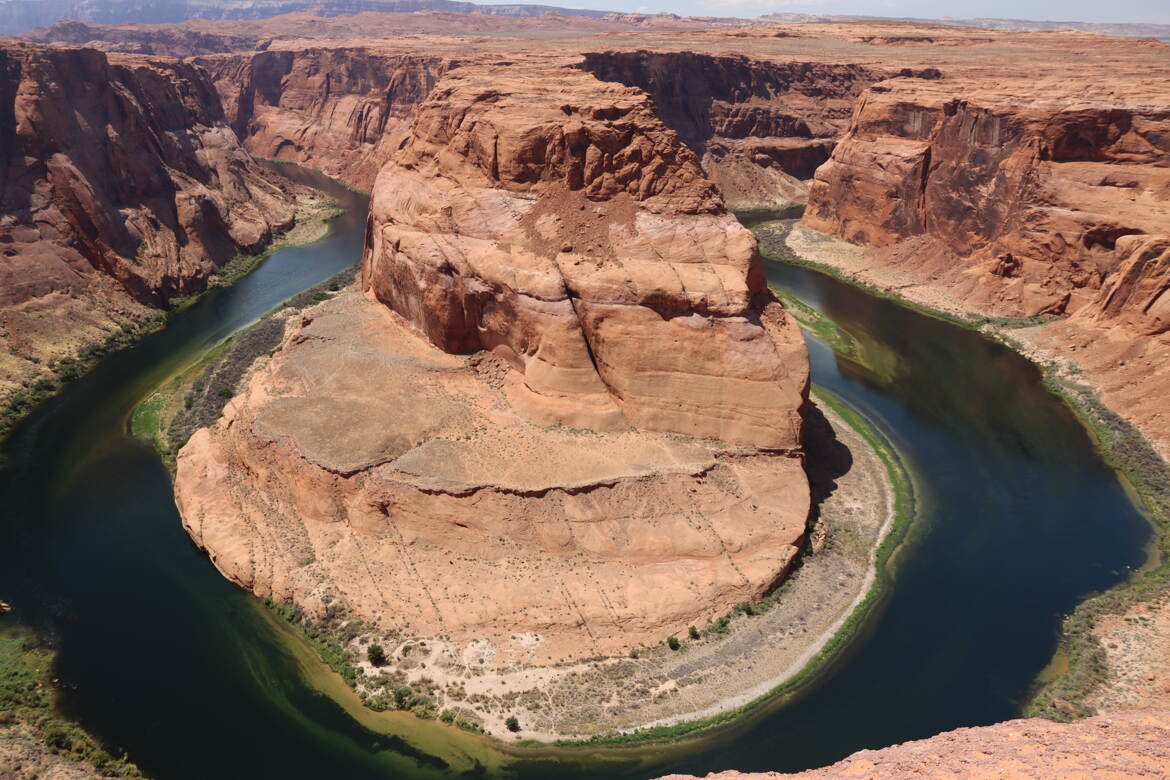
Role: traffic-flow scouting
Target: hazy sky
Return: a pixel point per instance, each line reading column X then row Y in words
column 1157, row 11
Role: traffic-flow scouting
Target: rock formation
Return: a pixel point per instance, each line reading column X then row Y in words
column 1132, row 745
column 580, row 240
column 339, row 109
column 998, row 201
column 760, row 128
column 621, row 458
column 1137, row 295
column 1012, row 201
column 121, row 186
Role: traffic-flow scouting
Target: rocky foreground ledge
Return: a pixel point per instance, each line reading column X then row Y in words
column 1130, row 745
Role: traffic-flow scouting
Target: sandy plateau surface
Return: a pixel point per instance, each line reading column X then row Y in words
column 461, row 607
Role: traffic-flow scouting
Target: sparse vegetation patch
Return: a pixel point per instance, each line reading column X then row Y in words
column 28, row 707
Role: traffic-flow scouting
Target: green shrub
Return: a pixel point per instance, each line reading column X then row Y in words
column 512, row 723
column 376, row 655
column 673, row 643
column 694, row 632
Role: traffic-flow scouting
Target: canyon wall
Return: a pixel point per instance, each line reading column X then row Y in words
column 121, row 186
column 336, row 109
column 759, row 127
column 563, row 420
column 1011, row 200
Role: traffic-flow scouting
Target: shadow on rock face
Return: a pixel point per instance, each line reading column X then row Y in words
column 827, row 458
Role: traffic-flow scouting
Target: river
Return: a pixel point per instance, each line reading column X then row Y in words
column 162, row 658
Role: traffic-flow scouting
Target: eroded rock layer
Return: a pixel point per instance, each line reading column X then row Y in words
column 337, row 109
column 1015, row 201
column 760, row 128
column 620, row 459
column 577, row 238
column 366, row 469
column 120, row 186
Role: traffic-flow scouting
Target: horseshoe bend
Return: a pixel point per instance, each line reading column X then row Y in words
column 690, row 387
column 562, row 417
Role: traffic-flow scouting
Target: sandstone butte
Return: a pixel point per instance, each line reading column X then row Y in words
column 1007, row 174
column 121, row 186
column 621, row 460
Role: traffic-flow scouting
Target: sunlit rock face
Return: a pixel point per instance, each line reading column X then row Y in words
column 563, row 415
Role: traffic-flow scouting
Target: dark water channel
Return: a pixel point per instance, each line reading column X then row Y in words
column 161, row 657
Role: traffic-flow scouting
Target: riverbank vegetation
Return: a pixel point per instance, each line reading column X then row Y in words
column 312, row 222
column 33, row 734
column 817, row 324
column 64, row 370
column 1079, row 667
column 196, row 397
column 773, row 246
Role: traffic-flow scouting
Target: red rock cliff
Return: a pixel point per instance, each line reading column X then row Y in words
column 1016, row 201
column 757, row 126
column 337, row 109
column 571, row 231
column 120, row 185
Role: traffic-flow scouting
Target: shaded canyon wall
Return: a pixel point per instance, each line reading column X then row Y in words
column 121, row 186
